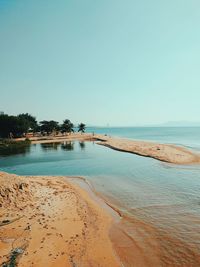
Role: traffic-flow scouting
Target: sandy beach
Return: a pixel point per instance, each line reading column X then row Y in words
column 163, row 152
column 51, row 220
column 48, row 221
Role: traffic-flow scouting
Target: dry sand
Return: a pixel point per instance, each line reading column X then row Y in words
column 48, row 221
column 163, row 152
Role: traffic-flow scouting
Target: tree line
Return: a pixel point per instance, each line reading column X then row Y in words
column 20, row 125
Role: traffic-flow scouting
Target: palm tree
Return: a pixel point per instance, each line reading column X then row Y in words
column 81, row 127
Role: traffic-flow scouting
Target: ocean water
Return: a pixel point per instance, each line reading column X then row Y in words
column 185, row 136
column 159, row 202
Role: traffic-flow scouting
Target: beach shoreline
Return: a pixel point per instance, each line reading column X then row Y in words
column 62, row 221
column 163, row 152
column 168, row 153
column 52, row 221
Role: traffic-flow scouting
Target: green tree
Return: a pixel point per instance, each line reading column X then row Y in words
column 81, row 127
column 32, row 122
column 12, row 125
column 49, row 126
column 67, row 126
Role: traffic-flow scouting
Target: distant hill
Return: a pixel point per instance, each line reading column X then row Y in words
column 181, row 124
column 166, row 124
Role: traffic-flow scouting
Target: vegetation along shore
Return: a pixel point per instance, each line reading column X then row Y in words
column 25, row 128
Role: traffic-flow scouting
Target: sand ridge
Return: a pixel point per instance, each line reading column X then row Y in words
column 163, row 152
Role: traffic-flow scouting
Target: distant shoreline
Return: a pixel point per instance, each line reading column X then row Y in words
column 162, row 152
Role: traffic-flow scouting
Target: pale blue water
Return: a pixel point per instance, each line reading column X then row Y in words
column 165, row 196
column 113, row 172
column 187, row 136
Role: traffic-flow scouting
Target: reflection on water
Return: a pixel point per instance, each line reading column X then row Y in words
column 82, row 145
column 67, row 146
column 50, row 146
column 14, row 150
column 159, row 202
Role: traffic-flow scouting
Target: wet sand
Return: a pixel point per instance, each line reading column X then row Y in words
column 48, row 221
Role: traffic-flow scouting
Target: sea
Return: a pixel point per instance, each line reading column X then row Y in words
column 159, row 203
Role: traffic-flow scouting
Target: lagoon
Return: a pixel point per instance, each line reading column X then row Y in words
column 160, row 200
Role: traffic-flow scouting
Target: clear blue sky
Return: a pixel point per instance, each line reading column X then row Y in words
column 121, row 62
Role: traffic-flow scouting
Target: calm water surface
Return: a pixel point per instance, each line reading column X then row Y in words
column 187, row 136
column 160, row 201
